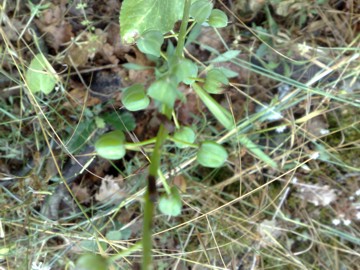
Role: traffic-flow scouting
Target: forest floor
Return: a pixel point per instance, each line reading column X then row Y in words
column 294, row 91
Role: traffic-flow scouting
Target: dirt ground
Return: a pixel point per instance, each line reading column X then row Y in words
column 58, row 200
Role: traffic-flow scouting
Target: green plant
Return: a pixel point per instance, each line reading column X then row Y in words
column 134, row 98
column 91, row 262
column 145, row 22
column 206, row 218
column 40, row 76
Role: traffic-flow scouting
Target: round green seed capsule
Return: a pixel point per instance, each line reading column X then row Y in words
column 91, row 262
column 171, row 204
column 218, row 19
column 111, row 145
column 134, row 98
column 200, row 10
column 211, row 154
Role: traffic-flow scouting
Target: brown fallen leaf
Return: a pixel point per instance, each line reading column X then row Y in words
column 186, row 110
column 139, row 76
column 108, row 56
column 317, row 194
column 110, row 190
column 78, row 97
column 84, row 49
column 113, row 38
column 209, row 37
column 317, row 126
column 269, row 231
column 81, row 193
column 57, row 30
column 180, row 182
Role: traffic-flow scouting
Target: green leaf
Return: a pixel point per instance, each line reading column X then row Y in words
column 40, row 76
column 114, row 235
column 123, row 121
column 4, row 251
column 138, row 16
column 193, row 35
column 218, row 19
column 118, row 232
column 80, row 136
column 91, row 262
column 211, row 154
column 150, row 42
column 220, row 113
column 133, row 66
column 200, row 10
column 171, row 204
column 92, row 245
column 164, row 90
column 125, row 233
column 324, row 155
column 228, row 72
column 100, row 123
column 186, row 135
column 255, row 149
column 262, row 50
column 215, row 79
column 184, row 69
column 111, row 145
column 226, row 56
column 134, row 98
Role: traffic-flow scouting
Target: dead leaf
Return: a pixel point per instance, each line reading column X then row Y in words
column 210, row 38
column 139, row 76
column 51, row 168
column 317, row 195
column 247, row 9
column 269, row 232
column 78, row 96
column 113, row 38
column 180, row 182
column 317, row 126
column 186, row 110
column 284, row 8
column 12, row 28
column 110, row 190
column 86, row 48
column 108, row 8
column 81, row 193
column 57, row 30
column 107, row 53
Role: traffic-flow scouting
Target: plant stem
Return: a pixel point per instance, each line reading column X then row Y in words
column 183, row 28
column 146, row 238
column 136, row 145
column 162, row 134
column 150, row 194
column 164, row 182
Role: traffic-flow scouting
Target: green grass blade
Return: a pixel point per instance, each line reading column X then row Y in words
column 220, row 113
column 255, row 149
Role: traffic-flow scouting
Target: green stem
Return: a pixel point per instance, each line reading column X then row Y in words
column 192, row 145
column 150, row 194
column 146, row 238
column 125, row 252
column 164, row 182
column 136, row 145
column 183, row 28
column 162, row 134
